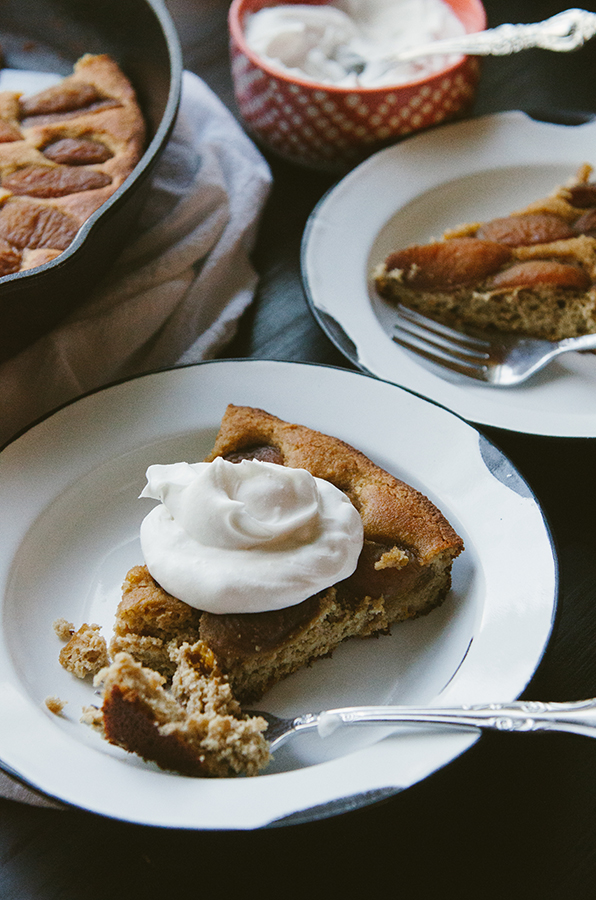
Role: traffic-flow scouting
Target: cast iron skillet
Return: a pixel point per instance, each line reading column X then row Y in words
column 49, row 36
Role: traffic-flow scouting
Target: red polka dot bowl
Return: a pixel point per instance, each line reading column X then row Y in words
column 333, row 128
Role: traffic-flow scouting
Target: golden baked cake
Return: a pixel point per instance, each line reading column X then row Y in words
column 533, row 272
column 403, row 571
column 63, row 153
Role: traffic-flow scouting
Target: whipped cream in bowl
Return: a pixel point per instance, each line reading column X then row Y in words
column 321, row 42
column 247, row 537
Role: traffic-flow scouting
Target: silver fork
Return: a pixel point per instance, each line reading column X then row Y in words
column 498, row 359
column 577, row 717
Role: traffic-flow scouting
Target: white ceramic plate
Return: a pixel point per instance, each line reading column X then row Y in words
column 471, row 171
column 70, row 518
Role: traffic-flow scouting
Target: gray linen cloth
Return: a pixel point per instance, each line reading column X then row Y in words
column 177, row 291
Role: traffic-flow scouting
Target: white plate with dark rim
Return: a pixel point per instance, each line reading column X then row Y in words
column 409, row 193
column 70, row 519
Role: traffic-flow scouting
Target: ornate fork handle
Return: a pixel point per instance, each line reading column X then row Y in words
column 565, row 31
column 578, row 717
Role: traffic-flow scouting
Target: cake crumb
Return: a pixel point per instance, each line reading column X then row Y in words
column 86, row 653
column 393, row 559
column 55, row 705
column 64, row 629
column 92, row 716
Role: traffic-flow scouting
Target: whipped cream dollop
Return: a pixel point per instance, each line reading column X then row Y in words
column 321, row 42
column 247, row 537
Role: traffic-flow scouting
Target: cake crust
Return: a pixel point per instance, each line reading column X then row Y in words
column 388, row 507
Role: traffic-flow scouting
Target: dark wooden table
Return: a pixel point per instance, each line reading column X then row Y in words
column 516, row 815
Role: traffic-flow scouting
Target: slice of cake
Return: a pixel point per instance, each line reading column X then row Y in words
column 169, row 656
column 404, row 569
column 533, row 272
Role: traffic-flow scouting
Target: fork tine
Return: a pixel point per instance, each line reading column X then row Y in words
column 437, row 328
column 440, row 358
column 436, row 342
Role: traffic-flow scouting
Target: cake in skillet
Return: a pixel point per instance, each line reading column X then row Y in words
column 63, row 152
column 402, row 570
column 532, row 272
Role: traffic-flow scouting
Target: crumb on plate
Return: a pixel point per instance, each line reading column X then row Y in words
column 86, row 653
